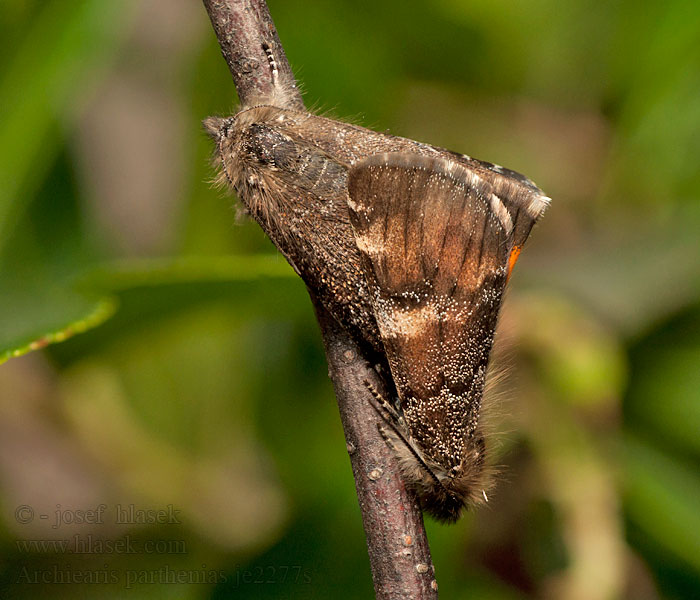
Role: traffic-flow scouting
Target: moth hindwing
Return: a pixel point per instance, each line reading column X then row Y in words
column 409, row 247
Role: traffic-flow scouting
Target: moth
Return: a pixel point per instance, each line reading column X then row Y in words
column 409, row 247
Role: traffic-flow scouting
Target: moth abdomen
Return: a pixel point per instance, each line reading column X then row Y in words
column 445, row 491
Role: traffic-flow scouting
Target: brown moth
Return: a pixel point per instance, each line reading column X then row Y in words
column 409, row 247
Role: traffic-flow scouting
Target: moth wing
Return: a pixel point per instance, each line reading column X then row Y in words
column 434, row 257
column 435, row 242
column 524, row 201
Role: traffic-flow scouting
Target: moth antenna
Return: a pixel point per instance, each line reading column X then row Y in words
column 283, row 91
column 381, row 412
column 272, row 63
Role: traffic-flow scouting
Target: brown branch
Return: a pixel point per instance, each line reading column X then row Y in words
column 398, row 547
column 244, row 28
column 396, row 540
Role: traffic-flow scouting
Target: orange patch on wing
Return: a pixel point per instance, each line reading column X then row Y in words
column 512, row 259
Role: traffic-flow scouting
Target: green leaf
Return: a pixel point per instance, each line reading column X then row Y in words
column 662, row 497
column 663, row 397
column 33, row 322
column 32, row 318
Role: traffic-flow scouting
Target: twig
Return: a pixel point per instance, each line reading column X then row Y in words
column 396, row 541
column 397, row 544
column 244, row 28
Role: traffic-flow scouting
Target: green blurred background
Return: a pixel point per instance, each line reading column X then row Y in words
column 205, row 390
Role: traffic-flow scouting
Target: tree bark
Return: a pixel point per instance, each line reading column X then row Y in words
column 398, row 547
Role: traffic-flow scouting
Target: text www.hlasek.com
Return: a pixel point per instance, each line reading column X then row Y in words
column 89, row 544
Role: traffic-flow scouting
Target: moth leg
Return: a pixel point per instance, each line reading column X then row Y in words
column 389, row 416
column 397, row 424
column 383, row 407
column 385, row 436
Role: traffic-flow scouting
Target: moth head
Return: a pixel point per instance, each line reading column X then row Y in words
column 217, row 127
column 252, row 143
column 222, row 131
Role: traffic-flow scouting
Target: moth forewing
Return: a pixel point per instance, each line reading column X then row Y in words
column 435, row 242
